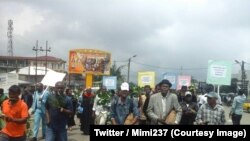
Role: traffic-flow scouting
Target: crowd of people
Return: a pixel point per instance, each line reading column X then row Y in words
column 55, row 109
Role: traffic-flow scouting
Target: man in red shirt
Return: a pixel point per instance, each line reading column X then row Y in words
column 15, row 114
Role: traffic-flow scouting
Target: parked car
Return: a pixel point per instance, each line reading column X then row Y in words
column 246, row 106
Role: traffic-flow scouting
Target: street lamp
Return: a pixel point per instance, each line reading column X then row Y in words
column 243, row 74
column 129, row 60
column 46, row 56
column 36, row 49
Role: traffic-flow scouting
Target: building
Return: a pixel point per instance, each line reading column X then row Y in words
column 16, row 63
column 11, row 63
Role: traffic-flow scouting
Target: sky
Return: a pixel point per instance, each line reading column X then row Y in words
column 177, row 36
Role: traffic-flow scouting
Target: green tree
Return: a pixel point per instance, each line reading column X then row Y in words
column 117, row 71
column 114, row 71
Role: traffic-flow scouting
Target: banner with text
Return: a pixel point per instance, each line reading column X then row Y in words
column 146, row 78
column 172, row 78
column 219, row 72
column 109, row 82
column 183, row 80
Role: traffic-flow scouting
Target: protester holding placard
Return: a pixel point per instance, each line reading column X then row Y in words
column 38, row 109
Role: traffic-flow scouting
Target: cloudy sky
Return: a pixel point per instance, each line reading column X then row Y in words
column 166, row 35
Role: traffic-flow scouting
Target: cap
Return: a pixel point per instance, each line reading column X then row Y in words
column 125, row 86
column 188, row 93
column 212, row 95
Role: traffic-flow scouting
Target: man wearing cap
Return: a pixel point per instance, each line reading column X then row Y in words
column 211, row 113
column 162, row 103
column 203, row 98
column 123, row 106
column 189, row 110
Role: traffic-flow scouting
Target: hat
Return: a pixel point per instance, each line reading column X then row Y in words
column 165, row 81
column 212, row 95
column 188, row 93
column 125, row 86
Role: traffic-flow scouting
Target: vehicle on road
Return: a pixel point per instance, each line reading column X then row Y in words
column 246, row 105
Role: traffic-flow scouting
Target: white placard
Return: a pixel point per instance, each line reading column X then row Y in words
column 52, row 77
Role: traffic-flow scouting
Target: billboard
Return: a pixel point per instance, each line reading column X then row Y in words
column 219, row 72
column 89, row 61
column 172, row 78
column 146, row 78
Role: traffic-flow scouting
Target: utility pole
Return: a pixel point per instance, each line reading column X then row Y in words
column 35, row 48
column 129, row 60
column 181, row 70
column 46, row 55
column 244, row 86
column 128, row 68
column 243, row 77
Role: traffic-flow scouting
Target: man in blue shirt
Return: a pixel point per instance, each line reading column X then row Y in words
column 237, row 108
column 122, row 106
column 38, row 109
column 58, row 109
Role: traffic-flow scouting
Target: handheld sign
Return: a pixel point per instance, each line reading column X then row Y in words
column 52, row 77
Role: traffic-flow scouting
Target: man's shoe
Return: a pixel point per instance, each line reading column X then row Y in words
column 34, row 139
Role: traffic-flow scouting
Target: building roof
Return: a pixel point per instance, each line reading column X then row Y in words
column 39, row 58
column 32, row 71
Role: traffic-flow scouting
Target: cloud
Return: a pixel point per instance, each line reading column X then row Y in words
column 166, row 35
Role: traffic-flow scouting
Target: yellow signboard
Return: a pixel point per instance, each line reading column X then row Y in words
column 146, row 78
column 89, row 61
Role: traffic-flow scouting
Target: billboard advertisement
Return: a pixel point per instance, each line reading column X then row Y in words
column 89, row 61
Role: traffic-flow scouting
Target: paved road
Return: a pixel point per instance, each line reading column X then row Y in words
column 245, row 117
column 76, row 134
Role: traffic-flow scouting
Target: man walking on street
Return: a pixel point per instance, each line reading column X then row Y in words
column 162, row 103
column 58, row 110
column 211, row 113
column 38, row 109
column 237, row 108
column 15, row 113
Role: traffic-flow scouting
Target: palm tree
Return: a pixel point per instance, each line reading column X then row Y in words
column 117, row 71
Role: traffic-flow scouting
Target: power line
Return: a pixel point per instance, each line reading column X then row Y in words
column 160, row 67
column 121, row 61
